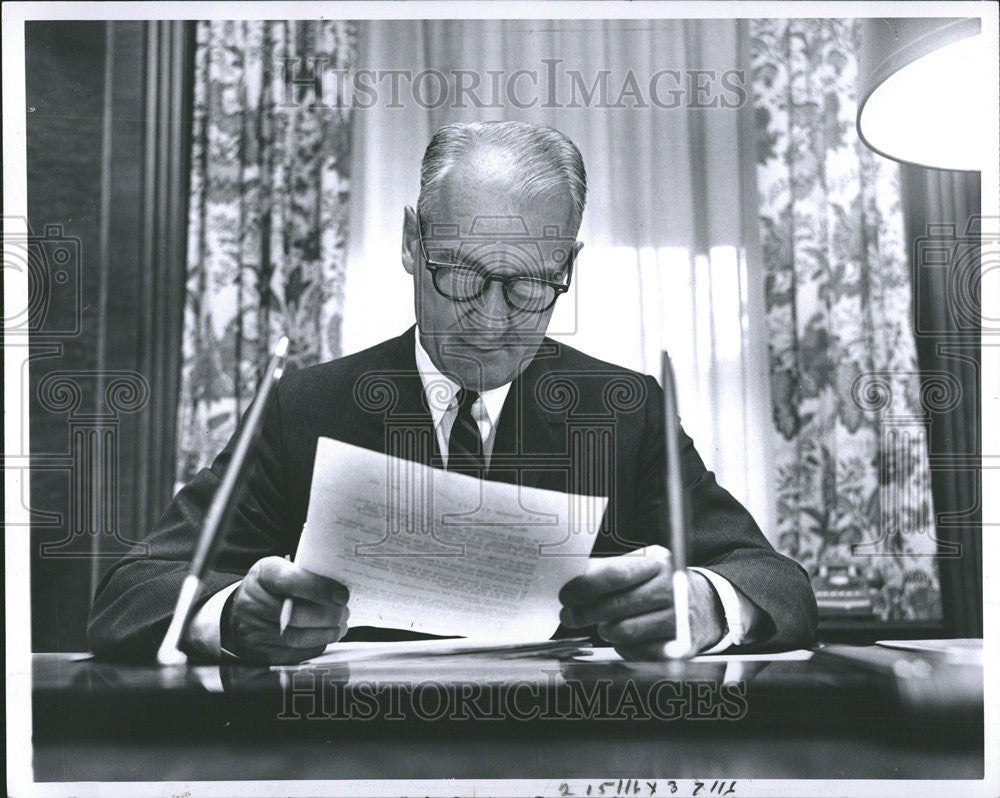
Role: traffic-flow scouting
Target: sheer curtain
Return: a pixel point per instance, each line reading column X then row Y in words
column 658, row 109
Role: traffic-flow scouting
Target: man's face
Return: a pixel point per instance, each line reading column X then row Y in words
column 484, row 342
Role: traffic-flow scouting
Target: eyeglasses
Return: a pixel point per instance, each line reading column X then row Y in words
column 461, row 283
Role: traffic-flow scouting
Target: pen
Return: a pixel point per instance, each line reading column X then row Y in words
column 681, row 646
column 220, row 511
column 286, row 612
column 286, row 616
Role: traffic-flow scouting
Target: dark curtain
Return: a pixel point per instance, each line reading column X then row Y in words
column 941, row 212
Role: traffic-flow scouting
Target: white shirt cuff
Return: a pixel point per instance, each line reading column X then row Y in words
column 740, row 612
column 204, row 635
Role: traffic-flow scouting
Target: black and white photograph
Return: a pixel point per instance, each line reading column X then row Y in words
column 506, row 399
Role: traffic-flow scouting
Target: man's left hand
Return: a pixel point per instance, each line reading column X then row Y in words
column 630, row 598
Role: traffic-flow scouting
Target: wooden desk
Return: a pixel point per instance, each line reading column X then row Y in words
column 477, row 716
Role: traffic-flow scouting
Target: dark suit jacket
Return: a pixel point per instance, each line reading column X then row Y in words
column 570, row 423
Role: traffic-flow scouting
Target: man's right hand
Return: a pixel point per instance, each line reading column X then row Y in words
column 250, row 621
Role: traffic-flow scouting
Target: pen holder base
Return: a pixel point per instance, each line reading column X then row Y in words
column 169, row 652
column 682, row 646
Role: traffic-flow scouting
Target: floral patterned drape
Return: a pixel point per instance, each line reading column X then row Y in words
column 268, row 216
column 848, row 414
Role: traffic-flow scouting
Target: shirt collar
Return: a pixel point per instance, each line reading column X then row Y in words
column 440, row 390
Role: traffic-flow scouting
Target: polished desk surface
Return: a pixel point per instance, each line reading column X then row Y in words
column 845, row 712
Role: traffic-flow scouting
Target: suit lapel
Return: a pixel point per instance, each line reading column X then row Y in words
column 530, row 444
column 404, row 419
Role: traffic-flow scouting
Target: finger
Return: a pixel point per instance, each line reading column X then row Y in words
column 310, row 638
column 284, row 655
column 254, row 600
column 654, row 594
column 647, row 651
column 283, row 579
column 260, row 636
column 258, row 607
column 658, row 625
column 310, row 615
column 611, row 574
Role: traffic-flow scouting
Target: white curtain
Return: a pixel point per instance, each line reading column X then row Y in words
column 670, row 258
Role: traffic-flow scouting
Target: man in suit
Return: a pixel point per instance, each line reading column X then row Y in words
column 475, row 387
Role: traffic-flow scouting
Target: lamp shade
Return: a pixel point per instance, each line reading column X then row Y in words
column 921, row 84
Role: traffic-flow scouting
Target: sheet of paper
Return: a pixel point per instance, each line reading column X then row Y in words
column 610, row 655
column 429, row 550
column 960, row 650
column 360, row 651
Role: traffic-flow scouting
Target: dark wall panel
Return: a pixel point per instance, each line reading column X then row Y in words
column 108, row 126
column 942, row 214
column 64, row 69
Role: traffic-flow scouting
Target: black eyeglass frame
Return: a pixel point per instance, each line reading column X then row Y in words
column 434, row 267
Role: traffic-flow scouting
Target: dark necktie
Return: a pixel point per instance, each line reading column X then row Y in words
column 465, row 446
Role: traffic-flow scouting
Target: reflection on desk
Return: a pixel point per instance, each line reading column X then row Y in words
column 841, row 713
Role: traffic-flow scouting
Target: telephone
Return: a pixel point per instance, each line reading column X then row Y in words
column 842, row 592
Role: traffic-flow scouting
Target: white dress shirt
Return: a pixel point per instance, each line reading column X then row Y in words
column 441, row 391
column 204, row 634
